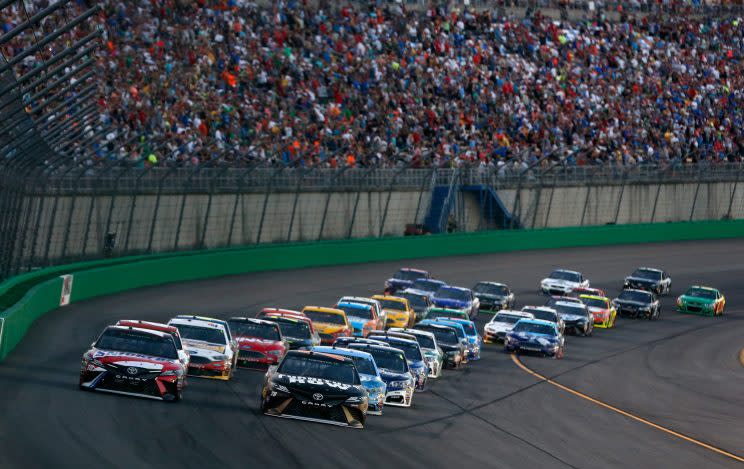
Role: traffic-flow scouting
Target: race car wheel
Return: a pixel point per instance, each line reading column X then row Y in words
column 559, row 354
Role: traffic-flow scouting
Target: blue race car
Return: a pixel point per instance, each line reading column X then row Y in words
column 426, row 286
column 459, row 329
column 361, row 317
column 394, row 371
column 414, row 356
column 403, row 279
column 368, row 374
column 535, row 336
column 475, row 341
column 457, row 298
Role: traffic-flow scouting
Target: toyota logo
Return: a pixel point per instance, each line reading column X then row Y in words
column 132, row 370
column 318, row 396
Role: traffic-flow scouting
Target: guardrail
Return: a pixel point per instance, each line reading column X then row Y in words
column 99, row 278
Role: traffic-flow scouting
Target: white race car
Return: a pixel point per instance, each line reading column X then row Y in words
column 501, row 323
column 562, row 282
column 209, row 345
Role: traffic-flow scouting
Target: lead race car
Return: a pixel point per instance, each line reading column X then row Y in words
column 317, row 387
column 134, row 362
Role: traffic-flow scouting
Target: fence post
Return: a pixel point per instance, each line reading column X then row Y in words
column 620, row 199
column 733, row 194
column 296, row 202
column 51, row 225
column 333, row 179
column 356, row 202
column 586, row 203
column 694, row 201
column 238, row 194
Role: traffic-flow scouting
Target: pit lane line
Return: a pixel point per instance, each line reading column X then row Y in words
column 669, row 431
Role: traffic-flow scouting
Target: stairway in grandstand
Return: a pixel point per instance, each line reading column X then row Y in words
column 493, row 212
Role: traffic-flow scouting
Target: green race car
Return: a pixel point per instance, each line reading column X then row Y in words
column 705, row 301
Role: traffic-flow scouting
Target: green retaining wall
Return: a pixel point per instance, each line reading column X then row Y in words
column 99, row 278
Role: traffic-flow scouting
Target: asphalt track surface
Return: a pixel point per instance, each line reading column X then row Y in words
column 682, row 372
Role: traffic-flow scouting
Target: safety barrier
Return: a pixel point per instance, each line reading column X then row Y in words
column 98, row 278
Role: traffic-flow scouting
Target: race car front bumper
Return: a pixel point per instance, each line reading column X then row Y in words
column 209, row 371
column 399, row 397
column 162, row 388
column 490, row 337
column 254, row 359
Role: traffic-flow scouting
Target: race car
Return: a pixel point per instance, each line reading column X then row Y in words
column 183, row 355
column 459, row 329
column 368, row 374
column 403, row 279
column 362, row 317
column 577, row 292
column 271, row 313
column 394, row 371
column 298, row 332
column 420, row 303
column 561, row 281
column 576, row 317
column 435, row 313
column 135, row 362
column 493, row 296
column 535, row 336
column 209, row 346
column 637, row 304
column 425, row 286
column 457, row 298
column 410, row 347
column 475, row 341
column 398, row 312
column 231, row 342
column 648, row 278
column 433, row 354
column 260, row 342
column 330, row 323
column 365, row 301
column 453, row 349
column 501, row 323
column 602, row 309
column 317, row 387
column 705, row 301
column 545, row 313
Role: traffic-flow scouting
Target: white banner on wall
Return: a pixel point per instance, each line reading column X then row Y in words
column 66, row 290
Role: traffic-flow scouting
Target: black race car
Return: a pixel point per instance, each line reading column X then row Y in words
column 647, row 278
column 317, row 387
column 637, row 304
column 493, row 296
column 576, row 317
column 454, row 351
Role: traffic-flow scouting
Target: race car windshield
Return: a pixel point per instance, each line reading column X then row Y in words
column 647, row 274
column 364, row 366
column 563, row 275
column 444, row 336
column 357, row 311
column 594, row 303
column 416, row 301
column 295, row 330
column 392, row 360
column 411, row 351
column 392, row 304
column 258, row 331
column 452, row 294
column 331, row 370
column 426, row 285
column 469, row 329
column 425, row 341
column 328, row 318
column 409, row 275
column 570, row 310
column 701, row 293
column 137, row 342
column 507, row 318
column 491, row 289
column 446, row 314
column 637, row 296
column 533, row 328
column 205, row 334
column 542, row 314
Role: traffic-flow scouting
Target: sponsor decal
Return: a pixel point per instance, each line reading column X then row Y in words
column 103, row 354
column 204, row 345
column 132, row 370
column 317, row 396
column 64, row 298
column 317, row 381
column 315, row 404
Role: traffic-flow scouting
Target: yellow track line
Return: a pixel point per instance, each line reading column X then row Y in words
column 720, row 451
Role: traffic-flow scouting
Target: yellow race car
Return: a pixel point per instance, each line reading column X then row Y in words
column 330, row 323
column 398, row 312
column 602, row 309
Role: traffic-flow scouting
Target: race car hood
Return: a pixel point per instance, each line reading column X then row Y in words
column 304, row 387
column 642, row 281
column 295, row 342
column 499, row 326
column 696, row 299
column 416, row 291
column 371, row 382
column 571, row 317
column 259, row 345
column 595, row 310
column 388, row 375
column 116, row 359
column 637, row 304
column 398, row 283
column 559, row 282
column 327, row 328
column 450, row 303
column 490, row 296
column 205, row 347
column 542, row 339
column 357, row 322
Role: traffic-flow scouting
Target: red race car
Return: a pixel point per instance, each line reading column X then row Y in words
column 260, row 343
column 156, row 326
column 134, row 362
